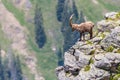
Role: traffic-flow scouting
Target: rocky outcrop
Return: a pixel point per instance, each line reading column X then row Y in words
column 95, row 59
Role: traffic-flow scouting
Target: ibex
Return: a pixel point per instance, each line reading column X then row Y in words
column 82, row 28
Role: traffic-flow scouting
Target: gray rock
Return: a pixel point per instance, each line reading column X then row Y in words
column 62, row 76
column 113, row 39
column 105, row 25
column 106, row 61
column 111, row 15
column 78, row 44
column 83, row 59
column 96, row 40
column 70, row 60
column 102, row 62
column 113, row 57
column 86, row 49
column 58, row 69
column 93, row 74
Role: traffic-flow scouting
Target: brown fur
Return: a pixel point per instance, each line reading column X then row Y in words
column 82, row 28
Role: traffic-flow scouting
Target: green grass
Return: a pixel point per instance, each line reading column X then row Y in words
column 25, row 70
column 109, row 6
column 110, row 49
column 87, row 68
column 4, row 41
column 92, row 12
column 47, row 60
column 17, row 13
column 95, row 12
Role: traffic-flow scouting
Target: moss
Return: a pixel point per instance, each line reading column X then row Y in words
column 118, row 15
column 110, row 49
column 102, row 35
column 87, row 68
column 89, row 42
column 67, row 73
column 109, row 19
column 91, row 61
column 116, row 77
column 111, row 77
column 118, row 69
column 92, row 52
column 118, row 51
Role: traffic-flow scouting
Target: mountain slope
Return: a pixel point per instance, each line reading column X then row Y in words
column 95, row 9
column 16, row 33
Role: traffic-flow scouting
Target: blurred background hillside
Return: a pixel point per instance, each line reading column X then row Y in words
column 44, row 25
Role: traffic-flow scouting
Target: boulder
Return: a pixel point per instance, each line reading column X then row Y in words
column 111, row 15
column 113, row 39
